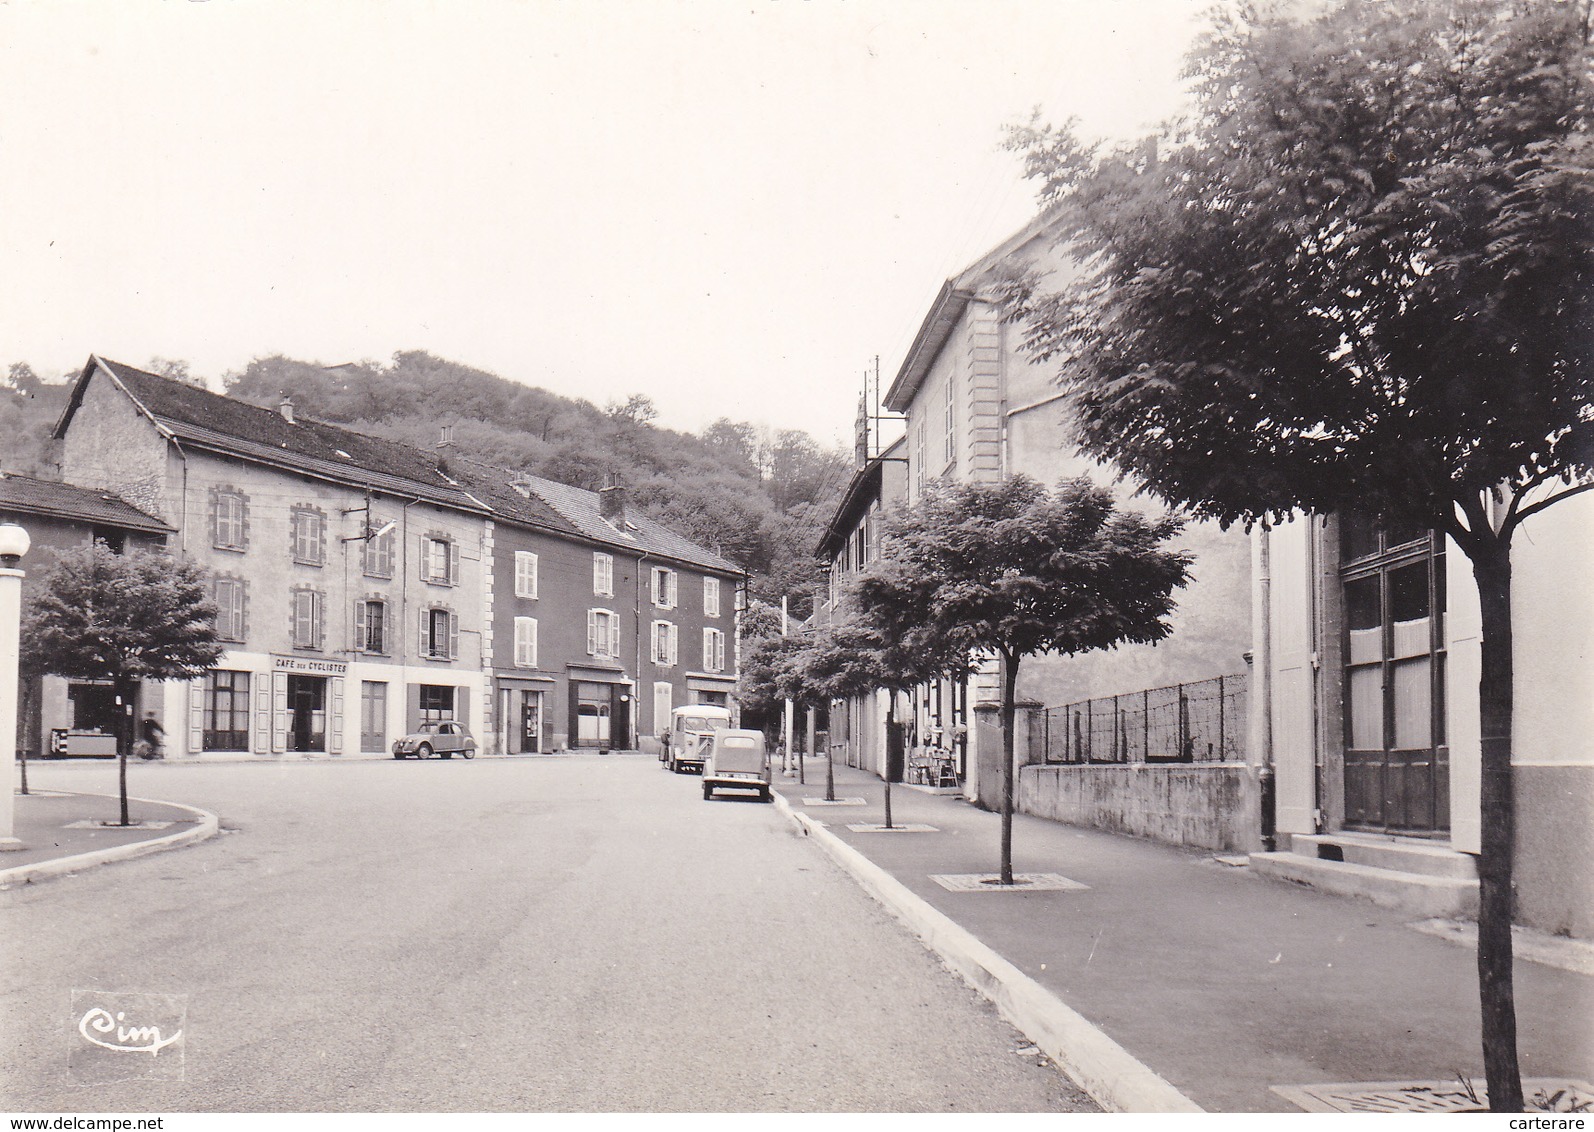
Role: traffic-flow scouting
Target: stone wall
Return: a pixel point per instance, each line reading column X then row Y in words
column 1195, row 805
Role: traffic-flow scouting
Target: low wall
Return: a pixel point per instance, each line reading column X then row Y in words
column 1195, row 805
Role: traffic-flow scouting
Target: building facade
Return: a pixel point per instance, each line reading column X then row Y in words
column 365, row 587
column 59, row 715
column 978, row 409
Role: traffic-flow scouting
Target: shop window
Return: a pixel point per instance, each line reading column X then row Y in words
column 436, row 702
column 226, row 711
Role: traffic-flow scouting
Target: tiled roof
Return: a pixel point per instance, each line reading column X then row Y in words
column 580, row 507
column 67, row 501
column 311, row 446
column 493, row 487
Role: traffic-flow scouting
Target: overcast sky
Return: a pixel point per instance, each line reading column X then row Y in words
column 731, row 207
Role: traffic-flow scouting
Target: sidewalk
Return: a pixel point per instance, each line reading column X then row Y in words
column 62, row 833
column 1222, row 984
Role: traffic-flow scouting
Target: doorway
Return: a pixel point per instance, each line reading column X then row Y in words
column 307, row 713
column 530, row 734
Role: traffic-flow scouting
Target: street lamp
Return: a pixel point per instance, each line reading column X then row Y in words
column 14, row 543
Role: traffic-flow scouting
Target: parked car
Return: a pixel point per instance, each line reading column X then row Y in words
column 736, row 760
column 690, row 727
column 447, row 738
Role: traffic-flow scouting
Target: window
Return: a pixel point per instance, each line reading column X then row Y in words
column 229, row 598
column 713, row 650
column 309, row 618
column 439, row 560
column 525, row 642
column 525, row 574
column 949, row 421
column 603, row 633
column 665, row 639
column 664, row 582
column 436, row 702
column 370, row 626
column 227, row 711
column 308, row 536
column 380, row 551
column 603, row 575
column 439, row 633
column 229, row 518
column 711, row 597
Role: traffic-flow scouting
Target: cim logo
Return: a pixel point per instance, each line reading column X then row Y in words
column 117, row 1036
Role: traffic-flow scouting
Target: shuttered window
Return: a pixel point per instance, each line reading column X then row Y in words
column 308, row 608
column 525, row 574
column 665, row 638
column 308, row 536
column 603, row 633
column 713, row 650
column 379, row 553
column 229, row 519
column 711, row 597
column 439, row 560
column 603, row 575
column 525, row 642
column 439, row 633
column 229, row 598
column 371, row 626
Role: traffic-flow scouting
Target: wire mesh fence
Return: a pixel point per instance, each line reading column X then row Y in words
column 1182, row 723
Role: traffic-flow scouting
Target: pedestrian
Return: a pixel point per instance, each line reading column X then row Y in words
column 154, row 735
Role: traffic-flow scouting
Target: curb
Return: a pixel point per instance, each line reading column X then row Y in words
column 208, row 826
column 1103, row 1068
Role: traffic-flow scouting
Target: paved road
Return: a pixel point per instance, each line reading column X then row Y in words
column 559, row 934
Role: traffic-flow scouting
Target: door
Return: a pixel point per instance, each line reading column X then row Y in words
column 1396, row 759
column 307, row 713
column 373, row 716
column 530, row 723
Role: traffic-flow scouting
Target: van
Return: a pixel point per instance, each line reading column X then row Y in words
column 737, row 761
column 689, row 726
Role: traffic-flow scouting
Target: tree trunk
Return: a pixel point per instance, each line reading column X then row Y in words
column 1009, row 695
column 830, row 771
column 1491, row 566
column 891, row 722
column 124, row 740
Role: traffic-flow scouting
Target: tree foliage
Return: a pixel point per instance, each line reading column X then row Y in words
column 1359, row 277
column 1011, row 569
column 125, row 618
column 756, row 497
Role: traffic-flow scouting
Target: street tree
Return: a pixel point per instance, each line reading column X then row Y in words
column 1359, row 278
column 854, row 657
column 123, row 618
column 1011, row 570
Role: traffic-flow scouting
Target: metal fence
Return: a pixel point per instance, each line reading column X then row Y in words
column 1202, row 722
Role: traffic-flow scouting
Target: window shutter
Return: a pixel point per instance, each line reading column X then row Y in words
column 426, row 624
column 532, row 622
column 425, row 557
column 261, row 682
column 592, row 632
column 673, row 579
column 658, row 587
column 614, row 635
column 318, row 612
column 453, row 635
column 675, row 640
column 196, row 715
column 361, row 626
column 453, row 563
column 335, row 734
column 719, row 651
column 597, row 575
column 279, row 712
column 708, row 649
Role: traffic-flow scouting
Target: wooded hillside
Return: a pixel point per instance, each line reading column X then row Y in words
column 758, row 497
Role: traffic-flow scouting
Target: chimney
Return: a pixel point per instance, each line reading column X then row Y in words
column 286, row 408
column 611, row 500
column 445, row 436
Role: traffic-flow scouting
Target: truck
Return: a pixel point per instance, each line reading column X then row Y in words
column 689, row 725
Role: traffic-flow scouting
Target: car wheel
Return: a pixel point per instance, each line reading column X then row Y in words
column 469, row 752
column 424, row 751
column 398, row 756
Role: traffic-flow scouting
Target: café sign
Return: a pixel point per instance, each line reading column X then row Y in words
column 307, row 664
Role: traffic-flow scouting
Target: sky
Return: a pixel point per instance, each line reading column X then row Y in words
column 731, row 206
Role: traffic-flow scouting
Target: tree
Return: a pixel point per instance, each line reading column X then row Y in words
column 854, row 657
column 1359, row 278
column 125, row 618
column 1010, row 569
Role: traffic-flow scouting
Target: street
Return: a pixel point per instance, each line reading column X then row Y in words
column 576, row 933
